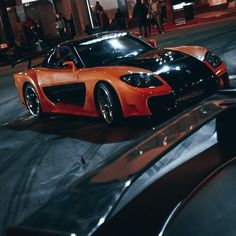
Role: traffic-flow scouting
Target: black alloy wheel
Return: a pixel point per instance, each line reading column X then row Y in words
column 32, row 101
column 108, row 104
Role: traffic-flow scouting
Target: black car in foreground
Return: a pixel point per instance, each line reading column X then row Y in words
column 210, row 209
column 133, row 194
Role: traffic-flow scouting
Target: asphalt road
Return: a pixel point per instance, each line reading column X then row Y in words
column 40, row 158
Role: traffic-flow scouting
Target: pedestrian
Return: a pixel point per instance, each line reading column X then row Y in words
column 120, row 20
column 60, row 24
column 71, row 26
column 155, row 11
column 140, row 13
column 163, row 11
column 29, row 25
column 96, row 12
column 19, row 37
column 149, row 17
column 103, row 18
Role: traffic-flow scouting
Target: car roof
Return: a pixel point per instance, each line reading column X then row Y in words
column 95, row 37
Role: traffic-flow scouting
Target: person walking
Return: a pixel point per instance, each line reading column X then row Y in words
column 29, row 25
column 70, row 26
column 96, row 11
column 19, row 38
column 163, row 11
column 140, row 13
column 60, row 24
column 120, row 19
column 149, row 17
column 155, row 11
column 103, row 18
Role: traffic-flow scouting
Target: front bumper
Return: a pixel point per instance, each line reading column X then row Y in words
column 176, row 101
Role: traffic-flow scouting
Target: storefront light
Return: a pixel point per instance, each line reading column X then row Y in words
column 28, row 1
column 106, row 37
column 181, row 5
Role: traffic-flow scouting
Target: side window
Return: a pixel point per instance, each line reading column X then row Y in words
column 97, row 54
column 60, row 55
column 54, row 60
column 67, row 54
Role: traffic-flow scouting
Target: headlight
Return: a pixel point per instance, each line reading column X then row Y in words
column 141, row 80
column 213, row 59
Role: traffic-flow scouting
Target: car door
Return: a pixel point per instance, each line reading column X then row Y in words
column 59, row 81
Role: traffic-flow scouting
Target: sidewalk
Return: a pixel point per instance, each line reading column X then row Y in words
column 202, row 18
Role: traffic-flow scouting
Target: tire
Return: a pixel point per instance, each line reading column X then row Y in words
column 108, row 104
column 32, row 101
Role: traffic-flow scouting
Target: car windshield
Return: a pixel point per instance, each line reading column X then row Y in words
column 104, row 50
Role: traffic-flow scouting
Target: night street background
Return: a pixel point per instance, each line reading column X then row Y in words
column 41, row 158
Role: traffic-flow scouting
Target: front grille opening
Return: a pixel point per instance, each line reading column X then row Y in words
column 162, row 104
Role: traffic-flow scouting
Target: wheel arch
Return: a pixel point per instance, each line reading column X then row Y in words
column 27, row 82
column 113, row 91
column 34, row 104
column 37, row 90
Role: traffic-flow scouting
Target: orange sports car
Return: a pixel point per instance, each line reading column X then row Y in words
column 116, row 75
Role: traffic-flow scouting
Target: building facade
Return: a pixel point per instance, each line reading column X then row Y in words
column 44, row 12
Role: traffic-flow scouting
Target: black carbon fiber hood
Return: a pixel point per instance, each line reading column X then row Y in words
column 152, row 60
column 182, row 72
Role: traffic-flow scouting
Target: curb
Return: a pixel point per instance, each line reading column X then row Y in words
column 198, row 21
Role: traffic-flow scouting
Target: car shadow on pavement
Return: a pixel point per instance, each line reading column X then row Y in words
column 92, row 130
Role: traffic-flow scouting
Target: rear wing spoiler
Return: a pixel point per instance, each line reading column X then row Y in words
column 30, row 58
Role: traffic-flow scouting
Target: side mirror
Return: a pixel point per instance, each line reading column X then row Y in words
column 69, row 65
column 153, row 43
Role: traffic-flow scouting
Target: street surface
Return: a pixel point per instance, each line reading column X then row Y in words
column 41, row 158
